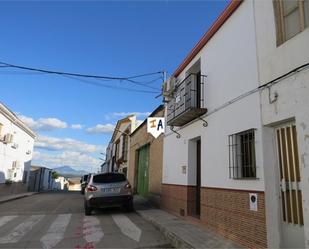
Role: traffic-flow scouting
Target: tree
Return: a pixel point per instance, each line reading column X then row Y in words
column 55, row 175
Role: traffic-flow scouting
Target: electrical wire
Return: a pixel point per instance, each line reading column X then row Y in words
column 107, row 86
column 78, row 74
column 129, row 79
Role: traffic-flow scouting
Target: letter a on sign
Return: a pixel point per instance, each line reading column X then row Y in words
column 155, row 126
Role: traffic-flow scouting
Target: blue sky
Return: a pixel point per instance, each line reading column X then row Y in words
column 105, row 38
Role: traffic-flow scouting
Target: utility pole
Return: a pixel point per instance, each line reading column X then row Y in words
column 164, row 75
column 164, row 72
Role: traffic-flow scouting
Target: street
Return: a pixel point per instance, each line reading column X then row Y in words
column 56, row 220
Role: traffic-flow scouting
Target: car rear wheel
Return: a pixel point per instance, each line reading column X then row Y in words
column 88, row 209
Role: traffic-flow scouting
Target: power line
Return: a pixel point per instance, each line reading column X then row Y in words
column 108, row 86
column 78, row 74
column 129, row 79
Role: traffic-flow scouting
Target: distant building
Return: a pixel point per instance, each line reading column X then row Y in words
column 40, row 179
column 117, row 155
column 74, row 184
column 61, row 183
column 16, row 146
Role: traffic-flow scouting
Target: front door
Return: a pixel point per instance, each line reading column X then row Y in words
column 142, row 171
column 292, row 233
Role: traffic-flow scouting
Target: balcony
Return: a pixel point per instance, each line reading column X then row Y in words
column 187, row 101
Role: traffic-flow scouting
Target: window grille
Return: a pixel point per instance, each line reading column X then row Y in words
column 292, row 17
column 242, row 163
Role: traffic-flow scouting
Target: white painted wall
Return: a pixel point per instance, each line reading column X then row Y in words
column 61, row 183
column 230, row 63
column 8, row 154
column 292, row 103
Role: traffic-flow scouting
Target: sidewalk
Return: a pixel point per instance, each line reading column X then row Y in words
column 180, row 233
column 6, row 198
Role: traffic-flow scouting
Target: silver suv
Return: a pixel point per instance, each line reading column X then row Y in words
column 108, row 190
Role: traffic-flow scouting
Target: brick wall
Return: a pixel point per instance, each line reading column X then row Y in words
column 225, row 211
column 228, row 212
column 176, row 198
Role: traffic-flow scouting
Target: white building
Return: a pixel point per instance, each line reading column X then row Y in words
column 41, row 179
column 117, row 152
column 282, row 31
column 16, row 150
column 61, row 183
column 108, row 158
column 238, row 110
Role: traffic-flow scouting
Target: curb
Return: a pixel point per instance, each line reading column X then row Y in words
column 175, row 240
column 16, row 197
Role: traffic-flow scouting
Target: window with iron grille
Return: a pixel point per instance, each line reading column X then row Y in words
column 242, row 155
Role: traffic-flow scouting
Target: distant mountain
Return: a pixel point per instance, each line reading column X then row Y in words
column 67, row 170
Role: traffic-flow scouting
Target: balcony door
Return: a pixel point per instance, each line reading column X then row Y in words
column 198, row 89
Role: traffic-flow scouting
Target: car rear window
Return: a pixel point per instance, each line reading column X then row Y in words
column 109, row 178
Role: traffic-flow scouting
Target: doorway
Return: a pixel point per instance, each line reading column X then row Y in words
column 194, row 178
column 143, row 170
column 198, row 178
column 290, row 191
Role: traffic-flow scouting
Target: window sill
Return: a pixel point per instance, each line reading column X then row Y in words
column 246, row 178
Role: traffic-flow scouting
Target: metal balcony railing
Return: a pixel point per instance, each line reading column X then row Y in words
column 187, row 102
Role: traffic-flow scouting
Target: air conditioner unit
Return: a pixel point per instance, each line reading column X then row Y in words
column 171, row 84
column 8, row 138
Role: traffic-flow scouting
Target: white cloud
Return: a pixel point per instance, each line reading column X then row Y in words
column 115, row 115
column 70, row 158
column 76, row 126
column 44, row 124
column 101, row 128
column 66, row 144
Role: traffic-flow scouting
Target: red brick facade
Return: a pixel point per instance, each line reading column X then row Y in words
column 225, row 211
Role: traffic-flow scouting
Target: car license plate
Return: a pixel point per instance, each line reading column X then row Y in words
column 111, row 190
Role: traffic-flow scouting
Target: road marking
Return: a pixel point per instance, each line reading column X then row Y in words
column 18, row 232
column 56, row 231
column 6, row 219
column 92, row 230
column 127, row 227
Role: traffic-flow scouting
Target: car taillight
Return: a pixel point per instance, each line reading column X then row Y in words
column 91, row 188
column 127, row 185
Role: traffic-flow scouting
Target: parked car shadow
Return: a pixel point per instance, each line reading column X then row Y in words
column 110, row 211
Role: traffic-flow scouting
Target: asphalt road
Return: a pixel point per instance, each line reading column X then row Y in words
column 57, row 220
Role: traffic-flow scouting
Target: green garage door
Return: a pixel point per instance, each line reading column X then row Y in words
column 142, row 171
